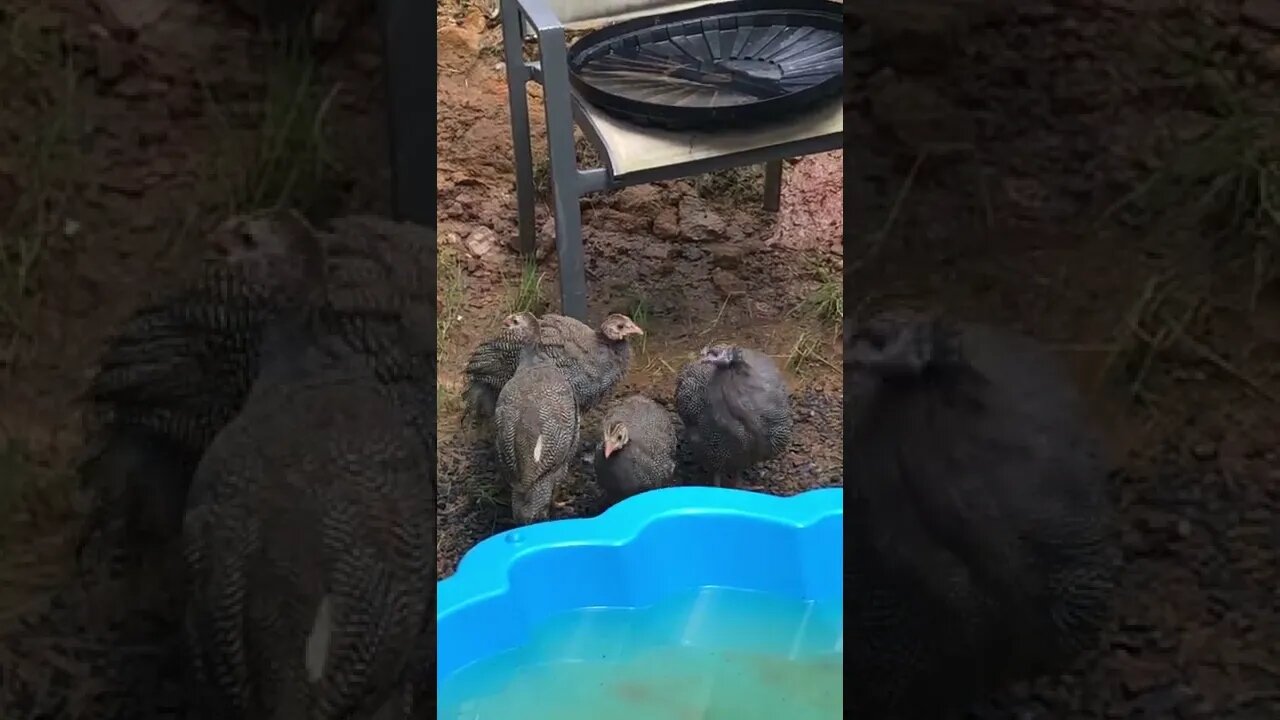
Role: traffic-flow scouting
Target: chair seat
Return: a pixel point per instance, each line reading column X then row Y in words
column 635, row 154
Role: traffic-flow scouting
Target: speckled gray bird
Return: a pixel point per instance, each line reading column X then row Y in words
column 310, row 522
column 181, row 367
column 637, row 448
column 177, row 372
column 595, row 361
column 536, row 423
column 735, row 409
column 170, row 379
column 981, row 536
column 492, row 364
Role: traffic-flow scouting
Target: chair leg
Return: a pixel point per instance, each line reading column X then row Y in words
column 773, row 185
column 518, row 100
column 569, row 249
column 565, row 188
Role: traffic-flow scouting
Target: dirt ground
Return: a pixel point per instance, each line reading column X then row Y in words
column 993, row 149
column 693, row 262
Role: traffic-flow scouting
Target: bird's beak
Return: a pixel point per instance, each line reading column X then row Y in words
column 609, row 448
column 635, row 330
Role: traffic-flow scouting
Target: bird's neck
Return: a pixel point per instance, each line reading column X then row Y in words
column 531, row 354
column 290, row 347
column 617, row 347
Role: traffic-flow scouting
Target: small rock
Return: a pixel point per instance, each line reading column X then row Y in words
column 638, row 199
column 657, row 251
column 457, row 47
column 466, row 201
column 727, row 283
column 481, row 241
column 667, row 224
column 725, row 255
column 698, row 222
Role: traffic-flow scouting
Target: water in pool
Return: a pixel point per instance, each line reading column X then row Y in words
column 716, row 654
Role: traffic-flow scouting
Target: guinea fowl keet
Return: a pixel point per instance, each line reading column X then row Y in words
column 637, row 450
column 735, row 409
column 536, row 423
column 491, row 365
column 595, row 361
column 981, row 542
column 310, row 520
column 170, row 379
column 182, row 366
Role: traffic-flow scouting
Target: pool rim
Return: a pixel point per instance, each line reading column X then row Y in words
column 483, row 573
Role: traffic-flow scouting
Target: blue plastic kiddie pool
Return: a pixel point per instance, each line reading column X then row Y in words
column 706, row 548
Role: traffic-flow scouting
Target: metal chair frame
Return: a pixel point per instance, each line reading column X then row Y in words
column 569, row 183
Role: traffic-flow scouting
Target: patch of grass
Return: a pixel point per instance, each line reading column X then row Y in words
column 451, row 292
column 493, row 52
column 735, row 185
column 1164, row 320
column 281, row 157
column 639, row 313
column 1227, row 183
column 806, row 352
column 825, row 302
column 1224, row 178
column 489, row 492
column 43, row 111
column 1146, row 334
column 526, row 295
column 1216, row 174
